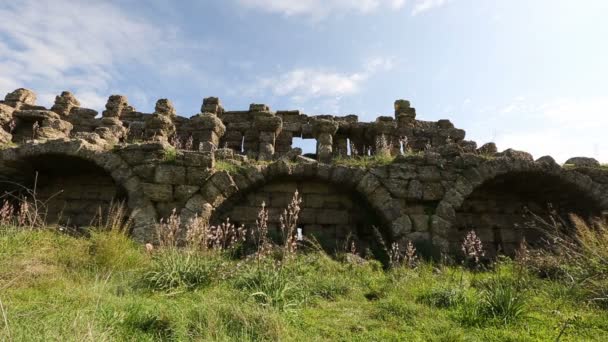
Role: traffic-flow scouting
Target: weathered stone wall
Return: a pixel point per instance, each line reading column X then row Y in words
column 437, row 187
column 502, row 210
column 329, row 213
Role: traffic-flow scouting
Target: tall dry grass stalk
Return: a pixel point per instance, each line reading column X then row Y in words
column 288, row 223
column 260, row 233
column 197, row 233
column 115, row 218
column 168, row 229
column 226, row 236
column 576, row 252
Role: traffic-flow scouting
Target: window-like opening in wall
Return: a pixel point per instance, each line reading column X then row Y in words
column 348, row 147
column 308, row 146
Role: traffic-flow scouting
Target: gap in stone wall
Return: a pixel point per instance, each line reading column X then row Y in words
column 307, row 145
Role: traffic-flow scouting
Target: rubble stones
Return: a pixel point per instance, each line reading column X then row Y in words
column 427, row 193
column 583, row 162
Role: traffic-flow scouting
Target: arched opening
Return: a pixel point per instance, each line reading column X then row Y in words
column 72, row 191
column 332, row 215
column 499, row 210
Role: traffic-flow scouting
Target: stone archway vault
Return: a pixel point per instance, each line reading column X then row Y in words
column 492, row 198
column 224, row 188
column 116, row 178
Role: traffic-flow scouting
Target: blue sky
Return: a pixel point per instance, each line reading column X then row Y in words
column 527, row 74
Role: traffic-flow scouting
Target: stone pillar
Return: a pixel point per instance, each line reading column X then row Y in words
column 6, row 123
column 207, row 128
column 340, row 148
column 384, row 130
column 111, row 127
column 64, row 104
column 268, row 127
column 212, row 105
column 402, row 108
column 406, row 120
column 160, row 126
column 324, row 130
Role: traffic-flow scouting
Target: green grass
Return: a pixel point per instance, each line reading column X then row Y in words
column 106, row 287
column 224, row 165
column 364, row 161
column 170, row 155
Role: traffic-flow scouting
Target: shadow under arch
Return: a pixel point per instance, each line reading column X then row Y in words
column 335, row 192
column 335, row 216
column 77, row 157
column 72, row 191
column 506, row 207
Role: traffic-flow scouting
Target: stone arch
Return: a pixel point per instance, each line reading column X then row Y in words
column 491, row 199
column 225, row 190
column 87, row 158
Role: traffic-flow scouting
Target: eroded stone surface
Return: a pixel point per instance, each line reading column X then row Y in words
column 437, row 188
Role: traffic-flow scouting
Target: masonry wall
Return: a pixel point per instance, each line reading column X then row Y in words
column 328, row 214
column 70, row 191
column 507, row 209
column 218, row 163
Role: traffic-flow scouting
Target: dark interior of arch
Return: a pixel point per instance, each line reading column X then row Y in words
column 331, row 214
column 498, row 210
column 74, row 190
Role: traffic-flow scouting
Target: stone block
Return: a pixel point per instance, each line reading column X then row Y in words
column 420, row 222
column 197, row 175
column 415, row 190
column 315, row 188
column 287, row 187
column 432, row 192
column 199, row 159
column 401, row 226
column 332, row 216
column 184, row 192
column 170, row 174
column 158, row 192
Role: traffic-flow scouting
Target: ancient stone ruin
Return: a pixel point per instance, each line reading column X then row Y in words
column 418, row 180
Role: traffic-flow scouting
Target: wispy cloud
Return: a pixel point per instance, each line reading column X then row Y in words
column 75, row 45
column 318, row 9
column 302, row 84
column 420, row 6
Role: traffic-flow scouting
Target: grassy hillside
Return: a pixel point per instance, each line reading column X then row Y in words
column 106, row 287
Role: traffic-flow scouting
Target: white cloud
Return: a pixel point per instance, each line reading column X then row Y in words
column 420, row 6
column 74, row 45
column 562, row 128
column 319, row 9
column 302, row 84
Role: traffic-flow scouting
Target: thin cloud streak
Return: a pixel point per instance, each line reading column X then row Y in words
column 301, row 84
column 78, row 46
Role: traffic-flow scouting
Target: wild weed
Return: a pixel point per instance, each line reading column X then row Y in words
column 473, row 251
column 168, row 229
column 503, row 300
column 172, row 269
column 288, row 223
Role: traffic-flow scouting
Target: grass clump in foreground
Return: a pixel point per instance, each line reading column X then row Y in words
column 107, row 287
